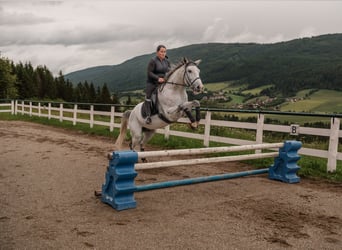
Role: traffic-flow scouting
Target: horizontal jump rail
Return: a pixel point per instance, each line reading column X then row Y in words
column 190, row 181
column 163, row 164
column 201, row 151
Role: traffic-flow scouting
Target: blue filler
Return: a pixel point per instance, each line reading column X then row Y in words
column 285, row 165
column 118, row 190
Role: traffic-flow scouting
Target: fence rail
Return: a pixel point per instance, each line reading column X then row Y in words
column 62, row 113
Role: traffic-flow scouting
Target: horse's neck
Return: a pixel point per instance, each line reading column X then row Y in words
column 175, row 83
column 173, row 93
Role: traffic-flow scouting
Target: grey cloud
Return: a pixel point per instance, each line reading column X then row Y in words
column 7, row 18
column 72, row 36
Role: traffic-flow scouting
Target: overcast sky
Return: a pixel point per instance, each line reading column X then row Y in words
column 73, row 35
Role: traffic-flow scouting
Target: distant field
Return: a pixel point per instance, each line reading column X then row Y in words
column 303, row 93
column 236, row 99
column 327, row 101
column 322, row 101
column 256, row 91
column 225, row 86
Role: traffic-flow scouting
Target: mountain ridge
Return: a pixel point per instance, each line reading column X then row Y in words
column 314, row 62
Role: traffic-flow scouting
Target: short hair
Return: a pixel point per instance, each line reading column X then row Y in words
column 160, row 46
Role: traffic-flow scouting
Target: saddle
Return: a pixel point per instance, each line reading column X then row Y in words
column 154, row 106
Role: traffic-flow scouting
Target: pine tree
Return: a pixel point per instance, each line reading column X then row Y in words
column 7, row 80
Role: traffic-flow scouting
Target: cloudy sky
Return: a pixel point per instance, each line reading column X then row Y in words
column 73, row 35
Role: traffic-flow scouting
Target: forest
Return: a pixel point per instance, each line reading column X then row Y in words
column 23, row 81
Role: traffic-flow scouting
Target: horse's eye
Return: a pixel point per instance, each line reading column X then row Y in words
column 189, row 71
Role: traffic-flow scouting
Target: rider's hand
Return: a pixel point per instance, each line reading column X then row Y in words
column 161, row 80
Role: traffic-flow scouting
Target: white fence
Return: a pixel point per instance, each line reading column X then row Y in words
column 71, row 114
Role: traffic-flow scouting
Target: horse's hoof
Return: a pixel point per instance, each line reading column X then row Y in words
column 193, row 125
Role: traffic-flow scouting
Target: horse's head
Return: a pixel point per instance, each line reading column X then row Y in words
column 192, row 76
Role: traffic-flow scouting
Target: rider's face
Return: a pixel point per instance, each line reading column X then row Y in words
column 161, row 53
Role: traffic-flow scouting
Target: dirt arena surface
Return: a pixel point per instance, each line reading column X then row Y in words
column 47, row 182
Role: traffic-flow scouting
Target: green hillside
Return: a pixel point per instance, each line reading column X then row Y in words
column 321, row 101
column 287, row 67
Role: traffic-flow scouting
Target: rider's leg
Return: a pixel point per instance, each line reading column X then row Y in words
column 148, row 102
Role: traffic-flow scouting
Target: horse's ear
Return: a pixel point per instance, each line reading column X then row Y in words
column 185, row 60
column 197, row 62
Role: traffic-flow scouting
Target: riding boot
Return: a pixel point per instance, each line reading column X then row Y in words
column 148, row 111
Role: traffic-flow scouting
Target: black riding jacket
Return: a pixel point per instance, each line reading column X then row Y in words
column 157, row 68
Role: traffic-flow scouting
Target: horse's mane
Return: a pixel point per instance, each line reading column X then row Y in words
column 174, row 67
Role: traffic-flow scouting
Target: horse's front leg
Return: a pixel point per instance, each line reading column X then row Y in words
column 187, row 107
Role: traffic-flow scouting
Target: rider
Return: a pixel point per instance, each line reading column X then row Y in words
column 156, row 70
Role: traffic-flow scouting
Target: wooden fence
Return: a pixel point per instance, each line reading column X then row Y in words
column 63, row 112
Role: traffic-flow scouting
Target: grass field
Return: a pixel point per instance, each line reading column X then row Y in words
column 322, row 101
column 256, row 91
column 225, row 86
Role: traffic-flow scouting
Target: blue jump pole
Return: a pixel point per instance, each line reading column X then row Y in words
column 190, row 181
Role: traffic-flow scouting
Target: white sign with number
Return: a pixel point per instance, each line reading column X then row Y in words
column 294, row 129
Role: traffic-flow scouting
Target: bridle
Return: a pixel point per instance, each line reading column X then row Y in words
column 186, row 79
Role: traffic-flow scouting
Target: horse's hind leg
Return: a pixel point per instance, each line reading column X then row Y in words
column 136, row 140
column 148, row 133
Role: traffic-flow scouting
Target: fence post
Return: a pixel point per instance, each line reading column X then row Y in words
column 112, row 120
column 16, row 107
column 49, row 110
column 12, row 107
column 91, row 116
column 259, row 131
column 30, row 112
column 22, row 107
column 74, row 118
column 207, row 129
column 39, row 109
column 333, row 144
column 61, row 112
column 167, row 132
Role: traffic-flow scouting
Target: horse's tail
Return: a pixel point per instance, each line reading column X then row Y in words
column 123, row 129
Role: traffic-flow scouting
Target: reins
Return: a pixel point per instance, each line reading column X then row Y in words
column 186, row 79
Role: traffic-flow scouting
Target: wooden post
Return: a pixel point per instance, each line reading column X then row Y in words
column 22, row 107
column 39, row 113
column 167, row 132
column 207, row 129
column 61, row 112
column 112, row 118
column 16, row 107
column 74, row 120
column 333, row 144
column 49, row 110
column 30, row 112
column 91, row 116
column 12, row 107
column 259, row 131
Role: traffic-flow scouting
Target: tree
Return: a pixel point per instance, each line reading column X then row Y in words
column 7, row 80
column 129, row 100
column 105, row 95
